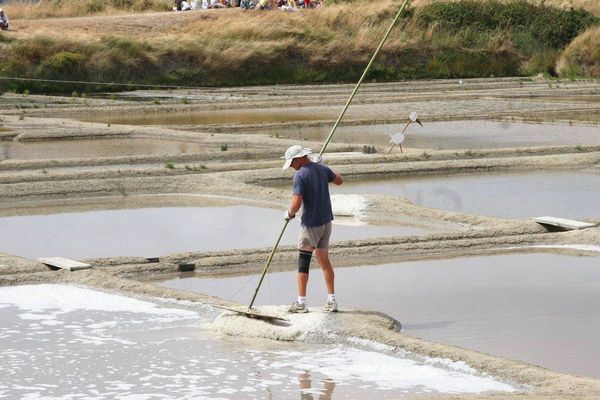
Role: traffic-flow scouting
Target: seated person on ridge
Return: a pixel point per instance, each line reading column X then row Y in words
column 246, row 4
column 3, row 20
column 182, row 5
column 287, row 5
column 216, row 4
column 262, row 5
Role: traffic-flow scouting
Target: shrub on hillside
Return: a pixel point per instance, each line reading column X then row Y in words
column 63, row 64
column 582, row 56
column 552, row 27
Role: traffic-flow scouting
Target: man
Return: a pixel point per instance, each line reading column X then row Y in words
column 311, row 191
column 3, row 20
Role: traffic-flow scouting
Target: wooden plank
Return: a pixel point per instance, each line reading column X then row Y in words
column 63, row 263
column 568, row 224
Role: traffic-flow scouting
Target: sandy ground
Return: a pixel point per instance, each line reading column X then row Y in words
column 252, row 166
column 94, row 28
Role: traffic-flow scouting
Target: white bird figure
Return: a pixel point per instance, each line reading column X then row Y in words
column 398, row 138
column 412, row 117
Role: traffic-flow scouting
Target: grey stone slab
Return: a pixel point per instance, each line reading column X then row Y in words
column 569, row 224
column 64, row 263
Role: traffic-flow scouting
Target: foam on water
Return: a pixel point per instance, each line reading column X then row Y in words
column 111, row 346
column 577, row 247
column 581, row 247
column 350, row 205
column 45, row 297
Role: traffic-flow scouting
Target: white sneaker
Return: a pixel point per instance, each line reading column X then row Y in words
column 298, row 308
column 331, row 306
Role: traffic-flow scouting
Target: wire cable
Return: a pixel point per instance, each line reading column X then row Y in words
column 141, row 85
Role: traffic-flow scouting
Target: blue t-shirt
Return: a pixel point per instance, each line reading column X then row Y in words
column 312, row 182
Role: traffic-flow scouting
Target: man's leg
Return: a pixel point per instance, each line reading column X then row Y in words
column 305, row 254
column 302, row 283
column 304, row 257
column 328, row 274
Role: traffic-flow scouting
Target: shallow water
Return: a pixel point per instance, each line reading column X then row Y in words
column 461, row 134
column 201, row 117
column 538, row 308
column 89, row 148
column 435, row 135
column 476, row 134
column 565, row 194
column 58, row 341
column 151, row 232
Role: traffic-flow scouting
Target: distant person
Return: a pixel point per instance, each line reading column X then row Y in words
column 262, row 5
column 311, row 192
column 3, row 20
column 287, row 5
column 216, row 4
column 182, row 5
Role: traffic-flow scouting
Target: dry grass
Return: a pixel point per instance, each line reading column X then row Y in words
column 582, row 56
column 78, row 8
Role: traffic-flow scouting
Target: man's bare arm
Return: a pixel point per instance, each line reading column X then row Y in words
column 338, row 178
column 295, row 206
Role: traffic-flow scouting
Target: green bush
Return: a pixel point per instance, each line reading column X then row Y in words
column 552, row 27
column 64, row 64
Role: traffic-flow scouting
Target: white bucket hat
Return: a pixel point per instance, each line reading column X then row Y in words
column 295, row 151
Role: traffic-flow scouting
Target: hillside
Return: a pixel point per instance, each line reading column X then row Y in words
column 460, row 39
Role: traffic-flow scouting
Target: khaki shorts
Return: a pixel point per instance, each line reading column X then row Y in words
column 315, row 236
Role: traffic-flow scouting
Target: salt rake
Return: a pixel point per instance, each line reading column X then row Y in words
column 253, row 313
column 364, row 74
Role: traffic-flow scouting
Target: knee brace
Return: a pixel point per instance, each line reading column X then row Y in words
column 304, row 261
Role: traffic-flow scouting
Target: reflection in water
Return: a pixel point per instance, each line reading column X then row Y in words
column 450, row 199
column 306, row 390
